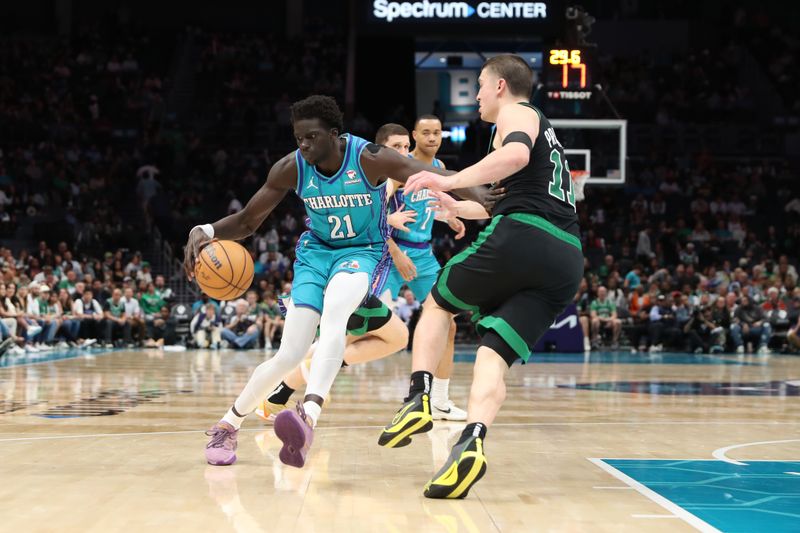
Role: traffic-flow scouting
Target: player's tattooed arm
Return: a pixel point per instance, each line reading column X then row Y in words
column 281, row 178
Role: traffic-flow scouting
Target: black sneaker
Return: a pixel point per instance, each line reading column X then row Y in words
column 414, row 417
column 463, row 468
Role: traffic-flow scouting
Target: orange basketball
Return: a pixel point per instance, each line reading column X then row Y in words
column 224, row 270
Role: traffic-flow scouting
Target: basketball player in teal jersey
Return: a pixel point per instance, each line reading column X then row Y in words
column 517, row 276
column 414, row 243
column 341, row 181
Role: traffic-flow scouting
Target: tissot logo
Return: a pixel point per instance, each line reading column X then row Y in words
column 389, row 11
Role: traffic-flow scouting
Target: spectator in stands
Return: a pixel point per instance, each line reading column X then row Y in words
column 750, row 324
column 134, row 314
column 161, row 330
column 200, row 304
column 241, row 331
column 117, row 323
column 721, row 319
column 90, row 313
column 70, row 325
column 100, row 292
column 134, row 265
column 206, row 328
column 273, row 319
column 603, row 314
column 8, row 325
column 161, row 288
column 793, row 335
column 38, row 302
column 776, row 311
column 663, row 326
column 69, row 281
column 633, row 278
column 144, row 274
column 151, row 303
column 582, row 303
column 406, row 306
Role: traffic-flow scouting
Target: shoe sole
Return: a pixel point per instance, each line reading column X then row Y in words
column 470, row 470
column 401, row 438
column 222, row 463
column 289, row 428
column 448, row 416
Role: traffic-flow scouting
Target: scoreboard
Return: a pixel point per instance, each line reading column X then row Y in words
column 568, row 73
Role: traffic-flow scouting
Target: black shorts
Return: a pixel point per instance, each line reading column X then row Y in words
column 372, row 315
column 518, row 275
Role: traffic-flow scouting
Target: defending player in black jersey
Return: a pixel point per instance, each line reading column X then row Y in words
column 517, row 276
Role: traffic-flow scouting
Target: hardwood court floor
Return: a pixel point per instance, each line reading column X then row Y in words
column 114, row 442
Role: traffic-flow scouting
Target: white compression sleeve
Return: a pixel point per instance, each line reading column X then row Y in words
column 299, row 331
column 343, row 295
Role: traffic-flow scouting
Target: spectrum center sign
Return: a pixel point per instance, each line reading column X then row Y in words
column 388, row 11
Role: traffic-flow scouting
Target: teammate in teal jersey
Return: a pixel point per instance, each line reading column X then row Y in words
column 413, row 245
column 341, row 180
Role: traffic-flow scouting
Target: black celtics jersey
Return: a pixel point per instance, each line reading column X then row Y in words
column 543, row 187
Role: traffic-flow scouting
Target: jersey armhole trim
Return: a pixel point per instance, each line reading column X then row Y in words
column 300, row 172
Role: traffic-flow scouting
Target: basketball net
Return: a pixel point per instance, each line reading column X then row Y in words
column 579, row 178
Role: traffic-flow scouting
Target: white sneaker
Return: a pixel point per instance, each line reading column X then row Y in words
column 587, row 345
column 30, row 348
column 447, row 411
column 740, row 349
column 62, row 345
column 88, row 342
column 764, row 351
column 16, row 350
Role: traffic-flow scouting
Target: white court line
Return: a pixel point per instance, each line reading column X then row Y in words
column 676, row 510
column 793, row 473
column 719, row 453
column 334, row 428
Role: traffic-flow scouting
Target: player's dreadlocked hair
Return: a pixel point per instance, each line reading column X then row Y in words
column 320, row 107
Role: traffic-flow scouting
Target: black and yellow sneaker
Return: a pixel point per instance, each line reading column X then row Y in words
column 464, row 467
column 414, row 417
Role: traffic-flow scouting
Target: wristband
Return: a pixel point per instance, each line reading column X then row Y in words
column 208, row 229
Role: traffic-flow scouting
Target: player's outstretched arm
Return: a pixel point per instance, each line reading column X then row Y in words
column 281, row 178
column 381, row 163
column 517, row 128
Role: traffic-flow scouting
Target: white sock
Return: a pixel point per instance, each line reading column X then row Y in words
column 440, row 392
column 313, row 411
column 231, row 418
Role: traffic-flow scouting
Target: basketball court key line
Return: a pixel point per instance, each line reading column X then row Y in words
column 720, row 453
column 676, row 510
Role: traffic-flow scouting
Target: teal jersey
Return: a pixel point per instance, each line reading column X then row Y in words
column 420, row 230
column 344, row 209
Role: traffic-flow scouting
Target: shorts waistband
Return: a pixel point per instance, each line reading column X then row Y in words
column 410, row 244
column 549, row 227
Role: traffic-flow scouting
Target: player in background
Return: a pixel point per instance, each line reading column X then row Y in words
column 417, row 266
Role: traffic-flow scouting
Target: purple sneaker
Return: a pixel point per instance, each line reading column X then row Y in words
column 221, row 449
column 291, row 427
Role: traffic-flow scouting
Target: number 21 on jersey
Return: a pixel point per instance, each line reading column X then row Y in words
column 336, row 231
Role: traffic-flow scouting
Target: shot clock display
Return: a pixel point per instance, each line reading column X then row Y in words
column 568, row 74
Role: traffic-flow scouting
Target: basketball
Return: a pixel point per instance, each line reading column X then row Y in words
column 224, row 270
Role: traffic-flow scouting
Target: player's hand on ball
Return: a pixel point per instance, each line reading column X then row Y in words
column 427, row 180
column 197, row 238
column 401, row 217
